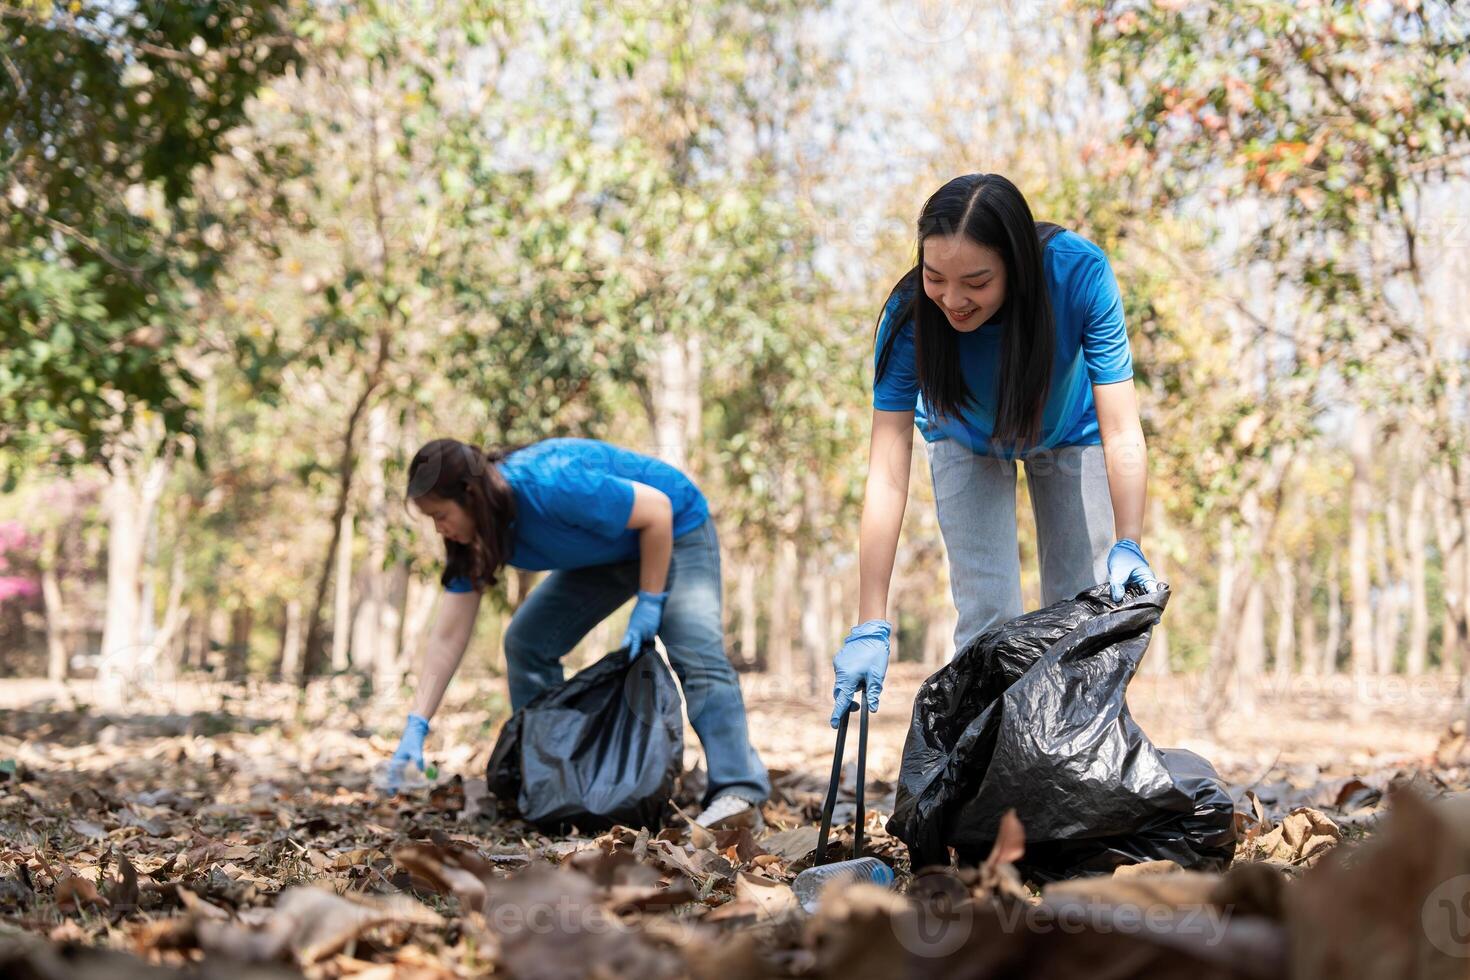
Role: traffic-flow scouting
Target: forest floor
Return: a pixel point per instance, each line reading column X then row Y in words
column 228, row 830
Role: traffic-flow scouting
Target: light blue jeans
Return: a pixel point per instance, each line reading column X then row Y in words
column 975, row 496
column 563, row 608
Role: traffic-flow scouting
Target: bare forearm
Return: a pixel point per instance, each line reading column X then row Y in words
column 890, row 455
column 1126, row 458
column 883, row 507
column 655, row 546
column 441, row 658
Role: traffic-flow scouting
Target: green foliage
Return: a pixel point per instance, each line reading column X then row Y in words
column 106, row 113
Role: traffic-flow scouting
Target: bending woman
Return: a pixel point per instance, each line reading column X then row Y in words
column 1004, row 342
column 610, row 524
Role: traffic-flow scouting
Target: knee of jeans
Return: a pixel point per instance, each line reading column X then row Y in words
column 523, row 647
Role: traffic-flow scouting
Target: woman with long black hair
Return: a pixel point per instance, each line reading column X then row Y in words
column 611, row 525
column 1004, row 342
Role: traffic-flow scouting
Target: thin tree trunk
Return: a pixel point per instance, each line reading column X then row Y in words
column 1418, row 653
column 237, row 662
column 1332, row 645
column 56, row 655
column 342, row 601
column 745, row 605
column 1361, row 503
column 1450, row 541
column 132, row 499
column 291, row 643
column 778, row 625
column 1284, row 592
column 813, row 615
column 346, row 469
column 1306, row 633
column 1383, row 613
column 674, row 403
column 1250, row 656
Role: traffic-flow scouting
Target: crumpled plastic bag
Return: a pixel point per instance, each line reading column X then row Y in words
column 1032, row 714
column 603, row 748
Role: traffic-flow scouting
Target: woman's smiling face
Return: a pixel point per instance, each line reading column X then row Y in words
column 966, row 280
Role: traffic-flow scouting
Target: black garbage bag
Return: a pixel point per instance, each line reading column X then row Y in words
column 603, row 748
column 1031, row 714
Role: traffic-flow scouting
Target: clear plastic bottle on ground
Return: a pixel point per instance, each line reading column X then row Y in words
column 397, row 776
column 810, row 884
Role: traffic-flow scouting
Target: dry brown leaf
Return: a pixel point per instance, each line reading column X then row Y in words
column 698, row 835
column 311, row 923
column 550, row 924
column 444, row 870
column 1175, row 889
column 791, row 845
column 1302, row 837
column 773, row 898
column 74, row 892
column 1398, row 909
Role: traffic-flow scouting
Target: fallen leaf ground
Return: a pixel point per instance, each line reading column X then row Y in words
column 233, row 831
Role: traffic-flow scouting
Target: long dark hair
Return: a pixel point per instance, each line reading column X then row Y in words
column 453, row 470
column 990, row 211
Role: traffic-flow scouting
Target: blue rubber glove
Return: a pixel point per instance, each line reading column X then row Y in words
column 862, row 662
column 410, row 751
column 1127, row 566
column 648, row 613
column 411, row 745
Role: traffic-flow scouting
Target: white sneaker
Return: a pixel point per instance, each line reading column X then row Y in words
column 728, row 812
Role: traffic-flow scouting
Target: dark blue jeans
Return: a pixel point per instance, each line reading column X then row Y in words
column 563, row 608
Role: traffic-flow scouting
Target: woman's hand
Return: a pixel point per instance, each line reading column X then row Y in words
column 1127, row 566
column 862, row 662
column 643, row 625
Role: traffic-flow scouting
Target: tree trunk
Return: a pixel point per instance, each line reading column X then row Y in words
column 1225, row 588
column 1306, row 633
column 1284, row 592
column 418, row 612
column 291, row 643
column 814, row 642
column 237, row 661
column 346, row 470
column 132, row 500
column 1332, row 645
column 1383, row 613
column 376, row 625
column 1418, row 653
column 56, row 655
column 342, row 600
column 1250, row 655
column 748, row 615
column 778, row 625
column 1361, row 501
column 675, row 404
column 1450, row 541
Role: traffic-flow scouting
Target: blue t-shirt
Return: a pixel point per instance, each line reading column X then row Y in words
column 573, row 499
column 1091, row 349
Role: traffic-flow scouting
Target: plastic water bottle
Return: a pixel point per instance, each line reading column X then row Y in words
column 810, row 884
column 392, row 777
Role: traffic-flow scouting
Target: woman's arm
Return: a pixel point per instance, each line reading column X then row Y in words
column 653, row 519
column 884, row 498
column 453, row 622
column 1125, row 454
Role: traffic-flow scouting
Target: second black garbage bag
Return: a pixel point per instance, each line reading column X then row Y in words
column 603, row 748
column 1032, row 714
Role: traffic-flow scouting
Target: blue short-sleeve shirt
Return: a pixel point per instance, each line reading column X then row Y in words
column 573, row 500
column 1091, row 349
